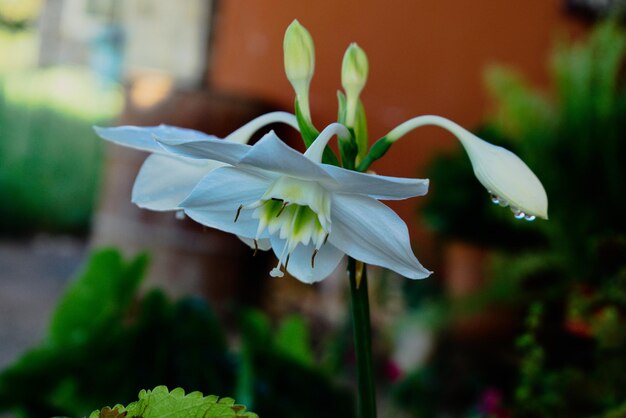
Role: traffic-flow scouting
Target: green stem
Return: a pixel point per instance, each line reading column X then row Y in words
column 366, row 399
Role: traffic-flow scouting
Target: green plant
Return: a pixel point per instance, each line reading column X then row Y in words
column 160, row 402
column 572, row 272
column 49, row 157
column 105, row 343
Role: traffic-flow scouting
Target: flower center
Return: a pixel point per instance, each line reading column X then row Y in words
column 298, row 211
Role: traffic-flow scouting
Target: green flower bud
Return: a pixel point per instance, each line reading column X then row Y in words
column 353, row 78
column 299, row 62
column 354, row 69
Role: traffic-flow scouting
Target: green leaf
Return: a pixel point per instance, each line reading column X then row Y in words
column 308, row 131
column 347, row 146
column 341, row 109
column 101, row 295
column 256, row 329
column 161, row 403
column 309, row 134
column 377, row 151
column 116, row 412
column 360, row 130
column 292, row 339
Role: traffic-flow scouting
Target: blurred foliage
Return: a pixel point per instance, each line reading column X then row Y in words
column 49, row 156
column 570, row 345
column 106, row 342
column 277, row 376
column 19, row 14
column 19, row 50
column 160, row 402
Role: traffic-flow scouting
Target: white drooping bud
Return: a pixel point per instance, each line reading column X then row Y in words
column 505, row 176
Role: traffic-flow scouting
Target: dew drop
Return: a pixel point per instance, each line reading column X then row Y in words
column 518, row 213
column 497, row 200
column 530, row 218
column 180, row 215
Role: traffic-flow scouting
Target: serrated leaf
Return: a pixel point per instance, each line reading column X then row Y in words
column 161, row 403
column 118, row 411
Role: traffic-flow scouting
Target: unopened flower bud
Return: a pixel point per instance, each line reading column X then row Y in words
column 299, row 62
column 353, row 78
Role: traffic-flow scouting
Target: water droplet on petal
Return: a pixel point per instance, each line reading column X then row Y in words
column 180, row 215
column 530, row 218
column 497, row 200
column 518, row 213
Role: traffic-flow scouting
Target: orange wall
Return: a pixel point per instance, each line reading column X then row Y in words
column 425, row 57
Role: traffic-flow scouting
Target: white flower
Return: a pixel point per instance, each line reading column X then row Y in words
column 165, row 179
column 311, row 213
column 504, row 175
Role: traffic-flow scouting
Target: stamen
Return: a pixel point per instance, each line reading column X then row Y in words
column 282, row 208
column 256, row 248
column 313, row 259
column 325, row 239
column 238, row 212
column 276, row 272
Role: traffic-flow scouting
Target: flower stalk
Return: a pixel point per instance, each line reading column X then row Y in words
column 366, row 395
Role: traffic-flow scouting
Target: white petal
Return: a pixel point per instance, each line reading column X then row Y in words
column 369, row 231
column 315, row 152
column 261, row 244
column 205, row 149
column 326, row 261
column 272, row 154
column 505, row 175
column 216, row 198
column 243, row 134
column 164, row 181
column 142, row 137
column 378, row 187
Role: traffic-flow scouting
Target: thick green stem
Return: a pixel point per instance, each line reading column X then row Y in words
column 366, row 407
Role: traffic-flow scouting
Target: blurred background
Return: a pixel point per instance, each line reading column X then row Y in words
column 99, row 299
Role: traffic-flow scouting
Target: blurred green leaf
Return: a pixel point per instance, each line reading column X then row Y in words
column 105, row 345
column 99, row 299
column 292, row 338
column 50, row 158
